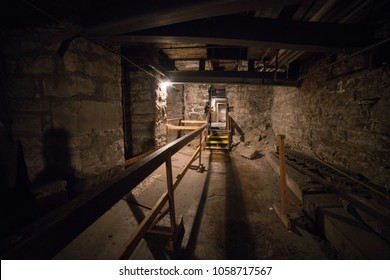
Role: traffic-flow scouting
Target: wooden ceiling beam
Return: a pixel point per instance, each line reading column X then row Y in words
column 234, row 77
column 258, row 32
column 128, row 17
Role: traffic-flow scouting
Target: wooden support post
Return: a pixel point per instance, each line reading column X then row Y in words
column 282, row 212
column 282, row 166
column 171, row 198
column 200, row 150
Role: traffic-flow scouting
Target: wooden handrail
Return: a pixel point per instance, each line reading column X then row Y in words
column 47, row 236
column 193, row 121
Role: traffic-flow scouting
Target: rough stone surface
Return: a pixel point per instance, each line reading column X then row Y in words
column 341, row 114
column 175, row 108
column 76, row 103
column 250, row 110
column 195, row 98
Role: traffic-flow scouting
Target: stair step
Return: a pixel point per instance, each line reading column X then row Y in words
column 224, row 142
column 217, row 136
column 217, row 147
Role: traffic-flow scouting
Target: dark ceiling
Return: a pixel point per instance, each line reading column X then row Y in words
column 227, row 36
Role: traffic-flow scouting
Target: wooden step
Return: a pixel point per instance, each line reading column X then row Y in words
column 217, row 147
column 217, row 136
column 224, row 142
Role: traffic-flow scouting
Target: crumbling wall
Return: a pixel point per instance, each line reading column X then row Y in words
column 66, row 108
column 341, row 114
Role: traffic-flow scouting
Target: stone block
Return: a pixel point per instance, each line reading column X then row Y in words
column 72, row 62
column 111, row 91
column 65, row 115
column 101, row 69
column 38, row 65
column 27, row 125
column 143, row 108
column 250, row 153
column 99, row 116
column 68, row 86
column 30, row 105
column 21, row 87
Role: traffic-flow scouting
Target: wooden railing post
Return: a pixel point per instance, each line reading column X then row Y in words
column 200, row 150
column 282, row 167
column 282, row 213
column 171, row 198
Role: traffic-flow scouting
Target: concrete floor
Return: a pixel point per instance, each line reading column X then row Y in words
column 227, row 213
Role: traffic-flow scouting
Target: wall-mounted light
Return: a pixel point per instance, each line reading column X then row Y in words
column 165, row 84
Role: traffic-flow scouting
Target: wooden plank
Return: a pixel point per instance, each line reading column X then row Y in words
column 182, row 127
column 171, row 197
column 282, row 212
column 283, row 217
column 282, row 173
column 142, row 229
column 239, row 77
column 174, row 119
column 137, row 158
column 260, row 32
column 123, row 17
column 193, row 121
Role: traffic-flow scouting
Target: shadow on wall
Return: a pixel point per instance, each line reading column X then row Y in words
column 57, row 158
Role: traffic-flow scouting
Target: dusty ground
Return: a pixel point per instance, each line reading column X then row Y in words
column 227, row 213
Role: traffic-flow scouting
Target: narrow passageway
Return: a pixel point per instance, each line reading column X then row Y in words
column 237, row 220
column 227, row 213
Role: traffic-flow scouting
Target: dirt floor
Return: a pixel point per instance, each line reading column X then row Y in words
column 227, row 213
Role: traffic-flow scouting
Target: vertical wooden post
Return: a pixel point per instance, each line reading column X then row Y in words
column 171, row 198
column 200, row 149
column 282, row 171
column 282, row 213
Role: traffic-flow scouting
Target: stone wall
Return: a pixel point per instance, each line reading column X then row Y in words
column 251, row 112
column 66, row 110
column 341, row 114
column 195, row 98
column 250, row 109
column 175, row 108
column 148, row 112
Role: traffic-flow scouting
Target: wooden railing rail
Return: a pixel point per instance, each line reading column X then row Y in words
column 50, row 234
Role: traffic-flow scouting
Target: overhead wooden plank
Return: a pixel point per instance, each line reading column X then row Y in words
column 227, row 77
column 258, row 32
column 129, row 17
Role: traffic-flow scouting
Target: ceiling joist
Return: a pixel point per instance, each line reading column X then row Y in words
column 258, row 32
